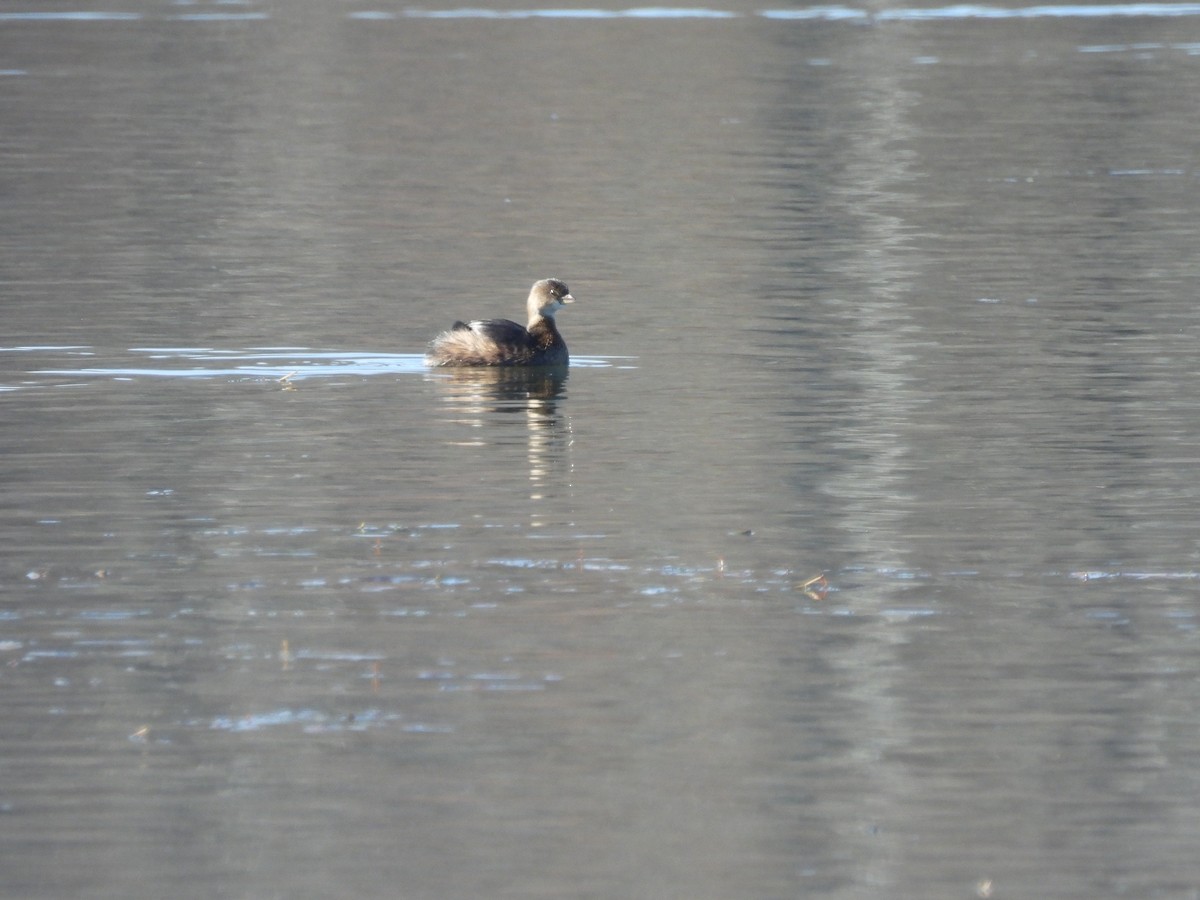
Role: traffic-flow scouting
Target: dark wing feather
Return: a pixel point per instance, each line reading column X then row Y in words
column 496, row 342
column 503, row 331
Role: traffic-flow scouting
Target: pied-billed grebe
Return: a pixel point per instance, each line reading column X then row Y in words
column 500, row 342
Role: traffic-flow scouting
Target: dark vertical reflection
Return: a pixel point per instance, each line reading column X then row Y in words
column 843, row 132
column 974, row 353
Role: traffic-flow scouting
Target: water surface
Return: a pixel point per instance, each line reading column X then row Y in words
column 856, row 553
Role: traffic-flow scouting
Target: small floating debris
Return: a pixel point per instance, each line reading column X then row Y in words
column 816, row 588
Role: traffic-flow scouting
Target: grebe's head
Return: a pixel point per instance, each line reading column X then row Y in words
column 547, row 297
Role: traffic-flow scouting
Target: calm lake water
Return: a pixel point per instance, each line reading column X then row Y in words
column 858, row 554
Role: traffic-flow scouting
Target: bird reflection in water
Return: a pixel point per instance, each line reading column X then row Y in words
column 484, row 396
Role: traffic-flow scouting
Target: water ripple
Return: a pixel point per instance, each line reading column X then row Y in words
column 810, row 13
column 284, row 364
column 826, row 13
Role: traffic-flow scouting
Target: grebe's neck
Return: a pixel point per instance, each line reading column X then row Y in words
column 544, row 332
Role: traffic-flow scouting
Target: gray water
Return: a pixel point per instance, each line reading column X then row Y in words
column 856, row 556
